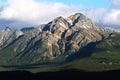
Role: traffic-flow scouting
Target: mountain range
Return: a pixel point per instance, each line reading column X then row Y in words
column 75, row 42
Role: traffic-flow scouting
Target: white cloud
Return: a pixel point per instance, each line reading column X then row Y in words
column 113, row 17
column 96, row 14
column 107, row 16
column 28, row 12
column 115, row 4
column 35, row 12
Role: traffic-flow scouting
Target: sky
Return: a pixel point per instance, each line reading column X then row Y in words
column 87, row 3
column 25, row 13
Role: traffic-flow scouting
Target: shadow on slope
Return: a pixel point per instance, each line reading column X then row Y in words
column 83, row 52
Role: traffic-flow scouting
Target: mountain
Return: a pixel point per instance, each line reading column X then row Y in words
column 104, row 57
column 24, row 30
column 8, row 35
column 59, row 41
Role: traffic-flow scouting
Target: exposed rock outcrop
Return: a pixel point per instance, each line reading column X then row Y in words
column 58, row 37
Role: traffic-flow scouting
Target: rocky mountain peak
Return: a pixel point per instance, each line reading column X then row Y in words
column 60, row 18
column 58, row 37
column 18, row 33
column 75, row 18
column 61, row 22
column 79, row 20
column 5, row 34
column 7, row 29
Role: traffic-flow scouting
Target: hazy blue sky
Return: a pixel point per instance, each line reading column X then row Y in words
column 35, row 12
column 86, row 3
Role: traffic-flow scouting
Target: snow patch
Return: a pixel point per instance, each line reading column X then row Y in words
column 63, row 25
column 70, row 21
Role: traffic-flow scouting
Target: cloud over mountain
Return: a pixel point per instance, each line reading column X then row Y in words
column 113, row 14
column 106, row 16
column 31, row 12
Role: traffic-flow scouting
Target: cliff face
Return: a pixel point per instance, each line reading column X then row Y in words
column 60, row 37
column 8, row 35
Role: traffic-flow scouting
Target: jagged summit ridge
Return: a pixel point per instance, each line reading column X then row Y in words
column 7, row 35
column 60, row 37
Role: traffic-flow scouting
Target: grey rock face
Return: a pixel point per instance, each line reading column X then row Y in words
column 8, row 35
column 58, row 37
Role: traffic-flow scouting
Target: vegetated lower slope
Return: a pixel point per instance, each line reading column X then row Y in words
column 105, row 56
column 58, row 41
column 75, row 42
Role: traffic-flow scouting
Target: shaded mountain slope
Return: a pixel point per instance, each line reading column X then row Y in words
column 105, row 56
column 53, row 42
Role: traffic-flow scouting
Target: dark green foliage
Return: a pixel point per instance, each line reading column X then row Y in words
column 105, row 56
